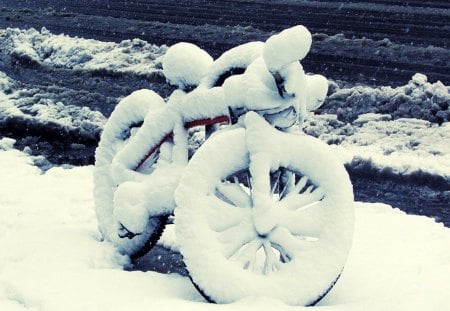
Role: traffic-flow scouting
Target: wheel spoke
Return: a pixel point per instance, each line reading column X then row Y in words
column 276, row 183
column 287, row 182
column 295, row 201
column 291, row 245
column 260, row 179
column 309, row 189
column 234, row 193
column 235, row 237
column 300, row 184
column 246, row 256
column 222, row 215
column 272, row 262
column 284, row 257
column 307, row 221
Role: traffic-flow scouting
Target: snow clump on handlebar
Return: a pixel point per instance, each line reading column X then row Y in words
column 288, row 46
column 317, row 86
column 185, row 64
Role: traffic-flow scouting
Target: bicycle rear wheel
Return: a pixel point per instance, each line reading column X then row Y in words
column 125, row 120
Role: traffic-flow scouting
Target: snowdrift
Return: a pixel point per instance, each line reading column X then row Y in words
column 52, row 258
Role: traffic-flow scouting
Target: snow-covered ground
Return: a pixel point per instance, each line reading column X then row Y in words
column 419, row 99
column 46, row 49
column 46, row 112
column 402, row 147
column 52, row 257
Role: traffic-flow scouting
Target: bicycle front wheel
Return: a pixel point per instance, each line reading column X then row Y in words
column 264, row 213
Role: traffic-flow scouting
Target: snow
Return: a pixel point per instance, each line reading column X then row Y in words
column 288, row 46
column 402, row 146
column 55, row 261
column 36, row 110
column 7, row 143
column 136, row 202
column 418, row 99
column 185, row 64
column 371, row 117
column 180, row 108
column 6, row 84
column 317, row 91
column 69, row 118
column 421, row 145
column 61, row 51
column 256, row 90
column 128, row 113
column 238, row 57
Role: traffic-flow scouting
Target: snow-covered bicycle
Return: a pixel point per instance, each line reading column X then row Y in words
column 259, row 209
